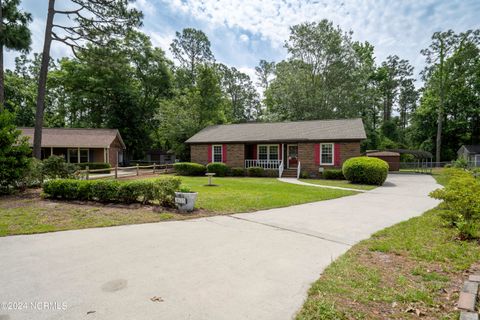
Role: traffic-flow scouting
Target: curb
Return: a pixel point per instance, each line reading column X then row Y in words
column 468, row 298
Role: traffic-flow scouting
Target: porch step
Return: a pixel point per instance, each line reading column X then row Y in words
column 289, row 173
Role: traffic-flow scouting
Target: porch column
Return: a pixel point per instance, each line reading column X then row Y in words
column 78, row 155
column 51, row 151
column 104, row 155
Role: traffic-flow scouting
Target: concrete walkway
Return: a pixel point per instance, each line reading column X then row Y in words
column 246, row 266
column 296, row 181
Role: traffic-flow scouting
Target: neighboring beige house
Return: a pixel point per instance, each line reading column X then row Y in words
column 80, row 145
column 471, row 153
column 287, row 147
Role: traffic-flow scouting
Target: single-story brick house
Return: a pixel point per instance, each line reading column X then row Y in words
column 80, row 145
column 471, row 153
column 289, row 147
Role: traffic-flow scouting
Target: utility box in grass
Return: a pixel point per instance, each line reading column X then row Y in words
column 185, row 201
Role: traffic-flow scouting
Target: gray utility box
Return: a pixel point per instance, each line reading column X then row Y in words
column 185, row 201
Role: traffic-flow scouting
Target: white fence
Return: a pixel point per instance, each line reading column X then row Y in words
column 265, row 164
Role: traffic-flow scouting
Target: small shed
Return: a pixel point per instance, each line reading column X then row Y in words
column 392, row 158
column 471, row 153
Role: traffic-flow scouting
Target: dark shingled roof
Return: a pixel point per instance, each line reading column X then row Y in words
column 75, row 137
column 314, row 130
column 383, row 154
column 473, row 148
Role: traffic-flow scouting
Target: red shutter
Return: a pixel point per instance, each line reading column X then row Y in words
column 224, row 153
column 209, row 153
column 336, row 155
column 317, row 154
column 254, row 152
column 280, row 151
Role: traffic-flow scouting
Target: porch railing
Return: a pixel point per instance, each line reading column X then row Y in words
column 265, row 164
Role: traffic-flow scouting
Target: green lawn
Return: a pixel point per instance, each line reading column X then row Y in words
column 29, row 213
column 339, row 183
column 413, row 268
column 249, row 194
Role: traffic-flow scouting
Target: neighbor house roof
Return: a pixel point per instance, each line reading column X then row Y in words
column 314, row 130
column 75, row 137
column 473, row 148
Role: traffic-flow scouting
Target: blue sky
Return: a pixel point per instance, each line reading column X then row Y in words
column 244, row 31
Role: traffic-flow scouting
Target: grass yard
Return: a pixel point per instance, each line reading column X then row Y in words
column 339, row 183
column 251, row 194
column 28, row 213
column 413, row 269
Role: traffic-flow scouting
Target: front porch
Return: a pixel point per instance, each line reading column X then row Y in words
column 276, row 157
column 78, row 155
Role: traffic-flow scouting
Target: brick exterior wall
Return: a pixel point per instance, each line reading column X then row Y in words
column 306, row 155
column 113, row 151
column 235, row 154
column 199, row 153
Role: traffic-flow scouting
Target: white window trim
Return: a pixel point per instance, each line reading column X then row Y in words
column 268, row 151
column 213, row 152
column 333, row 154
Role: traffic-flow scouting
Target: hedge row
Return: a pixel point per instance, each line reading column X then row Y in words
column 189, row 169
column 195, row 169
column 365, row 170
column 161, row 190
column 333, row 174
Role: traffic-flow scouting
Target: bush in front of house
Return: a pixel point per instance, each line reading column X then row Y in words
column 189, row 168
column 256, row 172
column 365, row 170
column 14, row 154
column 219, row 168
column 237, row 172
column 161, row 190
column 461, row 202
column 56, row 167
column 34, row 176
column 333, row 174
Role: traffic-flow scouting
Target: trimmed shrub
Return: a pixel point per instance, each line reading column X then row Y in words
column 55, row 167
column 219, row 168
column 237, row 172
column 33, row 177
column 256, row 172
column 365, row 170
column 462, row 204
column 161, row 190
column 189, row 168
column 333, row 174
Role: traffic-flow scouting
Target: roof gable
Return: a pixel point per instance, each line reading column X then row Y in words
column 75, row 137
column 472, row 148
column 314, row 130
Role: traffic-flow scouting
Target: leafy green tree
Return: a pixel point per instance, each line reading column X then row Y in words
column 191, row 48
column 14, row 154
column 14, row 35
column 243, row 97
column 93, row 21
column 265, row 72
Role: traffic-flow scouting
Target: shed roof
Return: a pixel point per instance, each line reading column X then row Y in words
column 75, row 137
column 383, row 154
column 313, row 130
column 474, row 148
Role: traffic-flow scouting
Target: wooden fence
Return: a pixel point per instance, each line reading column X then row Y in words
column 119, row 172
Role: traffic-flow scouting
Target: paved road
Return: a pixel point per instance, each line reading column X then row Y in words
column 246, row 266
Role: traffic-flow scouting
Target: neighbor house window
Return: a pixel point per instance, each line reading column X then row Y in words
column 268, row 152
column 73, row 155
column 326, row 153
column 217, row 153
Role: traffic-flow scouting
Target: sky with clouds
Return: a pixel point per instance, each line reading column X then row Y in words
column 244, row 31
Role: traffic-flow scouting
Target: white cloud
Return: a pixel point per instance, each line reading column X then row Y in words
column 393, row 27
column 244, row 38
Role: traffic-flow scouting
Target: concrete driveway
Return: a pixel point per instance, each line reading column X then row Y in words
column 246, row 266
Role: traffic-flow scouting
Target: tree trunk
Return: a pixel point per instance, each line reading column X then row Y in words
column 2, row 78
column 42, row 82
column 441, row 107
